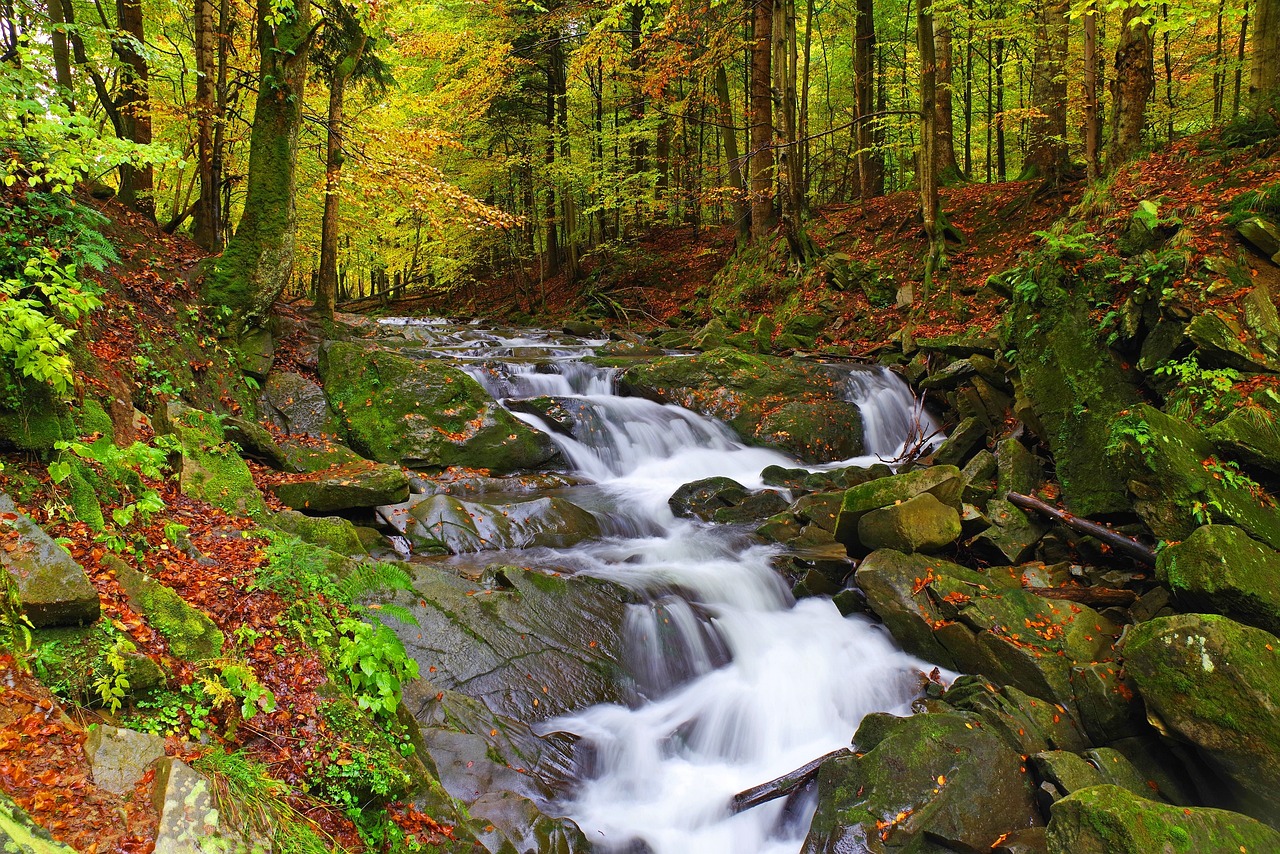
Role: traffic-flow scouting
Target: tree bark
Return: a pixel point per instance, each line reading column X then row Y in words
column 137, row 183
column 206, row 231
column 947, row 167
column 927, row 164
column 1132, row 86
column 1047, row 144
column 254, row 269
column 1092, row 117
column 1264, row 72
column 327, row 276
column 870, row 160
column 1115, row 540
column 61, row 49
column 741, row 205
column 761, row 121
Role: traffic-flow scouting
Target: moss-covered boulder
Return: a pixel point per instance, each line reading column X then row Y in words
column 31, row 418
column 424, row 413
column 192, row 636
column 331, row 532
column 784, row 403
column 1113, row 820
column 945, row 483
column 211, row 469
column 1215, row 683
column 1070, row 772
column 1073, row 385
column 1027, row 724
column 1178, row 483
column 20, row 835
column 442, row 521
column 351, row 486
column 1221, row 341
column 920, row 524
column 1220, row 569
column 53, row 589
column 930, row 782
column 700, row 499
column 1251, row 433
column 296, row 405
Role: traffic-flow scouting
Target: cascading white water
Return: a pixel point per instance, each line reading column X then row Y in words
column 734, row 682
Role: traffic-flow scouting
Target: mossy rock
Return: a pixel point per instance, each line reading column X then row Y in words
column 73, row 658
column 52, row 588
column 424, row 413
column 1168, row 465
column 211, row 468
column 37, row 421
column 297, row 406
column 1220, row 569
column 376, row 770
column 1220, row 342
column 920, row 524
column 1113, row 820
column 191, row 635
column 784, row 403
column 351, row 486
column 945, row 483
column 930, row 782
column 701, row 499
column 1215, row 683
column 331, row 532
column 20, row 835
column 1027, row 724
column 1251, row 433
column 468, row 526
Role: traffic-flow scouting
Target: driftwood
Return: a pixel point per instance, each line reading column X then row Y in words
column 1094, row 597
column 1117, row 541
column 784, row 785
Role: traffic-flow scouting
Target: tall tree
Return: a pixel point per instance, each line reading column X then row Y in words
column 136, row 181
column 1046, row 156
column 927, row 162
column 948, row 169
column 207, row 223
column 1133, row 83
column 761, row 119
column 741, row 205
column 255, row 267
column 1092, row 109
column 1264, row 73
column 870, row 157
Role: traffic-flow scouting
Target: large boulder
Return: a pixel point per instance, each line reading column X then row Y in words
column 1261, row 234
column 211, row 467
column 1215, row 683
column 468, row 526
column 945, row 483
column 53, row 589
column 789, row 404
column 424, row 413
column 1178, row 484
column 1220, row 569
column 920, row 524
column 1251, row 433
column 351, row 486
column 120, row 757
column 297, row 405
column 700, row 499
column 1112, row 820
column 930, row 782
column 191, row 635
column 1220, row 341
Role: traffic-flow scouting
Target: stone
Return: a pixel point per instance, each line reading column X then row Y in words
column 959, row 346
column 960, row 445
column 752, row 510
column 119, row 757
column 583, row 329
column 1018, row 470
column 1260, row 318
column 331, row 532
column 1251, row 433
column 701, row 499
column 1220, row 343
column 1070, row 772
column 1220, row 569
column 791, row 404
column 930, row 782
column 256, row 352
column 351, row 486
column 945, row 483
column 53, row 589
column 919, row 524
column 979, row 478
column 1262, row 234
column 1112, row 820
column 950, row 376
column 255, row 441
column 191, row 635
column 467, row 526
column 1107, row 702
column 1168, row 465
column 190, row 822
column 211, row 468
column 1027, row 724
column 424, row 413
column 297, row 406
column 1215, row 683
column 20, row 835
column 1012, row 535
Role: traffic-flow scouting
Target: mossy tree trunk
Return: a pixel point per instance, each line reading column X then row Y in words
column 761, row 124
column 327, row 278
column 927, row 162
column 1047, row 143
column 1133, row 83
column 870, row 160
column 136, row 182
column 254, row 269
column 948, row 169
column 1264, row 74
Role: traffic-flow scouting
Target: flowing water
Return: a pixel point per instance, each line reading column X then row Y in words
column 734, row 682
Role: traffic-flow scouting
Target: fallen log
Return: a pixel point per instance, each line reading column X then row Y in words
column 784, row 785
column 1094, row 597
column 1120, row 542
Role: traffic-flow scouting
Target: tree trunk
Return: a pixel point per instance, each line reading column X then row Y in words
column 205, row 226
column 61, row 49
column 1132, row 86
column 1047, row 138
column 254, row 269
column 948, row 169
column 1264, row 73
column 327, row 277
column 136, row 182
column 1092, row 118
column 761, row 121
column 927, row 164
column 870, row 160
column 741, row 205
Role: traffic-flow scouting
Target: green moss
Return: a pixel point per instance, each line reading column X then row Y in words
column 212, row 470
column 191, row 635
column 328, row 532
column 92, row 418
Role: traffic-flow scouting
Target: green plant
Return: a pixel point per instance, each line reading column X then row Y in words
column 1129, row 429
column 15, row 628
column 1229, row 475
column 1148, row 214
column 228, row 682
column 1200, row 393
column 375, row 664
column 112, row 686
column 1068, row 244
column 124, row 469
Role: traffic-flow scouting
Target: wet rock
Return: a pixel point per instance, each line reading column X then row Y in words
column 20, row 835
column 119, row 757
column 919, row 524
column 785, row 403
column 945, row 483
column 583, row 329
column 927, row 782
column 1262, row 234
column 963, row 441
column 1070, row 773
column 534, row 647
column 1012, row 535
column 1027, row 724
column 1220, row 569
column 191, row 635
column 1018, row 470
column 1107, row 702
column 950, row 376
column 424, row 413
column 211, row 468
column 255, row 441
column 569, row 416
column 190, row 823
column 297, row 406
column 1251, row 434
column 1113, row 820
column 701, row 499
column 1220, row 342
column 1164, row 460
column 979, row 477
column 467, row 526
column 331, row 532
column 820, row 508
column 256, row 352
column 751, row 510
column 53, row 589
column 1215, row 683
column 351, row 486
